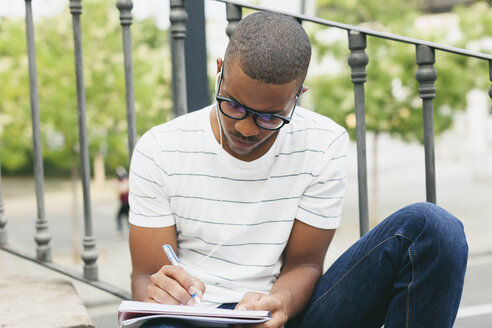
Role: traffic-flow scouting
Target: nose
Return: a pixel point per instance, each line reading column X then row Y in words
column 247, row 126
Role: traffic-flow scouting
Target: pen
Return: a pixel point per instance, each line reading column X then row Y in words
column 174, row 261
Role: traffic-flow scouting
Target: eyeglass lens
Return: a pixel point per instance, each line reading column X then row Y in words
column 233, row 110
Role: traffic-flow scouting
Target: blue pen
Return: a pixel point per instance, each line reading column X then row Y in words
column 174, row 261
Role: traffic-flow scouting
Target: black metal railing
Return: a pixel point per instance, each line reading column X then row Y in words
column 357, row 60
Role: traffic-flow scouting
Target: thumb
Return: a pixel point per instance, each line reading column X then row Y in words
column 242, row 307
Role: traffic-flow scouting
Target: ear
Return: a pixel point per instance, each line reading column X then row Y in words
column 219, row 65
column 304, row 89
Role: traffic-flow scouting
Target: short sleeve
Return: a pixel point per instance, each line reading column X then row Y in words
column 321, row 203
column 149, row 193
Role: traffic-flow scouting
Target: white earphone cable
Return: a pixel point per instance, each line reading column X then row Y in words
column 222, row 239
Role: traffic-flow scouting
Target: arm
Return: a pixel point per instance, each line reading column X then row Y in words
column 154, row 279
column 303, row 266
column 152, row 225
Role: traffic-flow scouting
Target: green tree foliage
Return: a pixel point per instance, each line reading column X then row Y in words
column 104, row 83
column 475, row 22
column 392, row 99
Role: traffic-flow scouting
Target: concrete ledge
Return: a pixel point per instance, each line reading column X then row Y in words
column 37, row 302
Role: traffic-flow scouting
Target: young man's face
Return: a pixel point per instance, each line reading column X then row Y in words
column 244, row 139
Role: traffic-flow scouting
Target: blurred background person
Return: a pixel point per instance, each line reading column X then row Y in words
column 122, row 188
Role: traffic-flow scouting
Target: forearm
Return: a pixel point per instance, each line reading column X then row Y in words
column 147, row 255
column 139, row 286
column 295, row 286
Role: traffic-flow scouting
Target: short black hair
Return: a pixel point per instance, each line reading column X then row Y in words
column 270, row 47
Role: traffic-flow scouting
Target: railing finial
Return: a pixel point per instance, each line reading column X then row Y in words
column 75, row 7
column 125, row 7
column 89, row 256
column 178, row 17
column 234, row 15
column 426, row 73
column 358, row 59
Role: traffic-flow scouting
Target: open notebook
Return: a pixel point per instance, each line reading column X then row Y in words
column 132, row 314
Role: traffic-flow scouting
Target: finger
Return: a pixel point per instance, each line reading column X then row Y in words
column 243, row 307
column 197, row 288
column 271, row 304
column 258, row 301
column 249, row 301
column 272, row 323
column 149, row 300
column 183, row 278
column 165, row 280
column 196, row 292
column 198, row 284
column 156, row 294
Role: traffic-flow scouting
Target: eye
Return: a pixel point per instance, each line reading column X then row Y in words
column 232, row 109
column 269, row 121
column 233, row 105
column 238, row 108
column 267, row 118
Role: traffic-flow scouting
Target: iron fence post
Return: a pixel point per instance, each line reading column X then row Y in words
column 358, row 60
column 125, row 8
column 426, row 76
column 42, row 236
column 89, row 253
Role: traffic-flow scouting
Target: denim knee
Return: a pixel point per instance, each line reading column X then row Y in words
column 443, row 228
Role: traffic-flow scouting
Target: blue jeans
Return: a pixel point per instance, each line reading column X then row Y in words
column 406, row 272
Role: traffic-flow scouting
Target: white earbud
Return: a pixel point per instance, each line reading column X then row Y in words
column 217, row 81
column 217, row 109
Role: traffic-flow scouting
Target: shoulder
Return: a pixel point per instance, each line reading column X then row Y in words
column 176, row 129
column 314, row 130
column 305, row 118
column 190, row 121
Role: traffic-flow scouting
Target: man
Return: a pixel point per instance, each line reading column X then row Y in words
column 249, row 192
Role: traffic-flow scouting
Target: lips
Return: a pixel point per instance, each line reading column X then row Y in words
column 242, row 143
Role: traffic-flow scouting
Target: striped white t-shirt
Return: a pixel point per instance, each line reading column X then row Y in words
column 234, row 218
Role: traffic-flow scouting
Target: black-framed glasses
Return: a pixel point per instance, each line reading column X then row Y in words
column 236, row 111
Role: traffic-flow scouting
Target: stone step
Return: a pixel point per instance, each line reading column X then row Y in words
column 38, row 302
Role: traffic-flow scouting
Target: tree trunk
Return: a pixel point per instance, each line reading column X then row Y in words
column 374, row 185
column 99, row 172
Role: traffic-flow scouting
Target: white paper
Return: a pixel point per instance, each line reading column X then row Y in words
column 133, row 314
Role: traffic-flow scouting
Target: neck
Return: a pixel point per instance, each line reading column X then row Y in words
column 219, row 137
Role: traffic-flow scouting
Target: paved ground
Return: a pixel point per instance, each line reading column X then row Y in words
column 401, row 181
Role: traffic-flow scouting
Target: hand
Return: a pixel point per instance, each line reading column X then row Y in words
column 173, row 285
column 264, row 302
